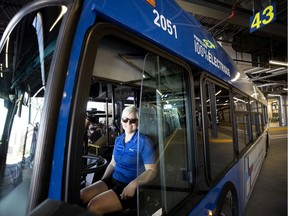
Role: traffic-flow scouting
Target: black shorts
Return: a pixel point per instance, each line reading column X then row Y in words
column 118, row 187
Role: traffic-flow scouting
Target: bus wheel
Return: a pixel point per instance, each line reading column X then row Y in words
column 228, row 201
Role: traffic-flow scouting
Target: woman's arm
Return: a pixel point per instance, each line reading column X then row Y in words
column 110, row 168
column 145, row 177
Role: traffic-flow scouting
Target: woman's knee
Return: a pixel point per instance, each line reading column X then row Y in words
column 83, row 196
column 94, row 206
column 105, row 203
column 91, row 191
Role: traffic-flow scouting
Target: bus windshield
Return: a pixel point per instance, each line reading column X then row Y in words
column 158, row 87
column 24, row 62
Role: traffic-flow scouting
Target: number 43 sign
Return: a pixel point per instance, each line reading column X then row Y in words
column 263, row 17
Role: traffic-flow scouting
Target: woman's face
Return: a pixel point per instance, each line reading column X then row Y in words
column 129, row 122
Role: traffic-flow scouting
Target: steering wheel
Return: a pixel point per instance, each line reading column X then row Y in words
column 94, row 164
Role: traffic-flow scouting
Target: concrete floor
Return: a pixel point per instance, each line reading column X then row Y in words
column 269, row 196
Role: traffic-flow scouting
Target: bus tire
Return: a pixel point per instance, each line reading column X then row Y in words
column 228, row 201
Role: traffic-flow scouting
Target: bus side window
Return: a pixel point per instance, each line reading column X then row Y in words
column 220, row 151
column 265, row 116
column 241, row 105
column 199, row 136
column 260, row 117
column 254, row 119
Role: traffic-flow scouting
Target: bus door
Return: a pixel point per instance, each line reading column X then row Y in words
column 164, row 111
column 121, row 69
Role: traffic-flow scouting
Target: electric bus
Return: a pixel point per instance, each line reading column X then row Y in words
column 63, row 62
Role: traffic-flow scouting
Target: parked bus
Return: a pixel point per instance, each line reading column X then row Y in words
column 63, row 62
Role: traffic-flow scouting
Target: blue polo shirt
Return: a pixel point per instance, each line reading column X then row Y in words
column 125, row 155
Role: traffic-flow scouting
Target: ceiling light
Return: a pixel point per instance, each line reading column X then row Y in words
column 131, row 98
column 273, row 95
column 278, row 63
column 218, row 92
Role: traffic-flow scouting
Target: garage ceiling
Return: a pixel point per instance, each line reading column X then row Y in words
column 228, row 22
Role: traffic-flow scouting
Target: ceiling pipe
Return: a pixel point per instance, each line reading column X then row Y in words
column 252, row 69
column 269, row 76
column 270, row 84
column 256, row 70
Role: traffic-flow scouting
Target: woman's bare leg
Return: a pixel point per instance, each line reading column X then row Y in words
column 106, row 202
column 87, row 193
